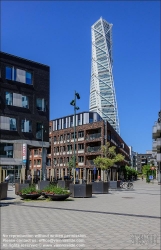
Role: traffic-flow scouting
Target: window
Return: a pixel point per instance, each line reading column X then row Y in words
column 90, row 117
column 80, row 134
column 55, row 138
column 80, row 158
column 6, row 150
column 13, row 124
column 34, row 162
column 9, row 73
column 26, row 126
column 69, row 147
column 18, row 75
column 61, row 138
column 49, row 129
column 25, row 102
column 72, row 135
column 16, row 100
column 38, row 162
column 9, row 98
column 35, row 152
column 41, row 104
column 80, row 146
column 61, row 160
column 55, row 161
column 68, row 136
column 39, row 130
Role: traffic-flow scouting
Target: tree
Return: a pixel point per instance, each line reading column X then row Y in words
column 108, row 158
column 71, row 163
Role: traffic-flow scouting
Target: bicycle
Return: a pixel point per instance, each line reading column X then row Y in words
column 127, row 185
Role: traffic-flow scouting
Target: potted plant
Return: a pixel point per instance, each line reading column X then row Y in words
column 108, row 158
column 56, row 193
column 29, row 193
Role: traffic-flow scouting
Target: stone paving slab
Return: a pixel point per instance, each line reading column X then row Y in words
column 106, row 221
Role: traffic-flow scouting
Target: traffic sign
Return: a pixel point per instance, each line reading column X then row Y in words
column 150, row 177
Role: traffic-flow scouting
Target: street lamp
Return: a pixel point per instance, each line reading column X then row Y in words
column 43, row 170
column 73, row 103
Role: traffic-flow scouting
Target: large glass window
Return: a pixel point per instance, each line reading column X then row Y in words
column 39, row 130
column 25, row 102
column 9, row 98
column 9, row 73
column 41, row 104
column 26, row 126
column 6, row 150
column 28, row 78
column 13, row 124
column 18, row 75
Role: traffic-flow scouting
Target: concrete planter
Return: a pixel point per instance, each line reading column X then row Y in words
column 19, row 186
column 3, row 190
column 64, row 184
column 100, row 187
column 114, row 184
column 43, row 184
column 81, row 190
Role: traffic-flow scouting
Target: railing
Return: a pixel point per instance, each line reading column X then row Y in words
column 93, row 136
column 93, row 149
column 90, row 162
column 159, row 157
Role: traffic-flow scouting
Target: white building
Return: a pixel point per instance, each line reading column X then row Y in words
column 156, row 135
column 102, row 90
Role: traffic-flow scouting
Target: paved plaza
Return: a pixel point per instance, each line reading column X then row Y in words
column 119, row 220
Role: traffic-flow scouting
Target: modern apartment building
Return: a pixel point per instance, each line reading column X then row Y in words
column 143, row 159
column 133, row 157
column 102, row 90
column 24, row 102
column 91, row 133
column 156, row 135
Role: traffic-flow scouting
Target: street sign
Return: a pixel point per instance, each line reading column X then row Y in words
column 150, row 177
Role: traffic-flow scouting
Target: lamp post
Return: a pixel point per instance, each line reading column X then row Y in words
column 43, row 170
column 73, row 103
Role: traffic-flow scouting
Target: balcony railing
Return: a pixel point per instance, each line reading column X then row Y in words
column 93, row 136
column 90, row 162
column 93, row 149
column 159, row 157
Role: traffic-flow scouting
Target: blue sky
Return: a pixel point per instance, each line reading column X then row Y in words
column 58, row 33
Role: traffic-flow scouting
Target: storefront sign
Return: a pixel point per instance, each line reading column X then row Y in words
column 24, row 153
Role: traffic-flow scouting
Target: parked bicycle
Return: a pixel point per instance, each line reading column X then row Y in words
column 127, row 185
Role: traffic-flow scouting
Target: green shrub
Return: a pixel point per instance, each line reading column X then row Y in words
column 55, row 190
column 29, row 190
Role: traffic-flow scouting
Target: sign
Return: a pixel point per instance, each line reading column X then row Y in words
column 150, row 177
column 24, row 153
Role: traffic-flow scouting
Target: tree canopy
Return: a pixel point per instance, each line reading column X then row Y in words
column 108, row 158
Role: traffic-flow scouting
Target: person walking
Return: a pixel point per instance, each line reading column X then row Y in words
column 7, row 178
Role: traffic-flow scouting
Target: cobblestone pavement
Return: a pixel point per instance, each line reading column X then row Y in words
column 118, row 220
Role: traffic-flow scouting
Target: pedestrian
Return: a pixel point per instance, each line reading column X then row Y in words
column 29, row 177
column 142, row 177
column 7, row 178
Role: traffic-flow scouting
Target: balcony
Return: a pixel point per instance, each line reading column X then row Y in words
column 93, row 136
column 154, row 145
column 156, row 130
column 90, row 163
column 93, row 149
column 80, row 151
column 158, row 142
column 81, row 139
column 80, row 163
column 159, row 157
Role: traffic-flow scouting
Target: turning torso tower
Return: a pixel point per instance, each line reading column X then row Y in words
column 102, row 90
